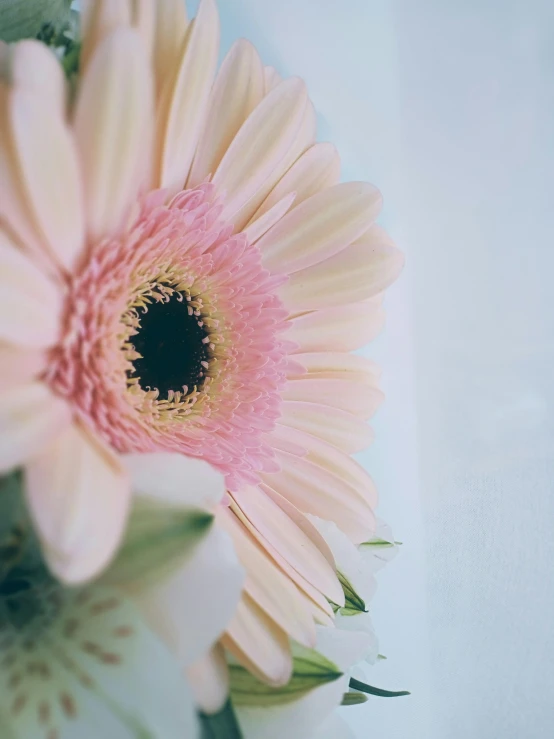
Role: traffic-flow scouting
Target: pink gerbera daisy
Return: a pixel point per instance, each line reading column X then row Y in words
column 180, row 271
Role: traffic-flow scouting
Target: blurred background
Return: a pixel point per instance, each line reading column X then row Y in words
column 448, row 107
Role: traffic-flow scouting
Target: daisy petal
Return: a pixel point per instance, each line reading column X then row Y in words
column 360, row 399
column 358, row 272
column 48, row 167
column 277, row 533
column 112, row 121
column 258, row 227
column 18, row 366
column 30, row 416
column 316, row 490
column 171, row 25
column 35, row 68
column 237, row 90
column 99, row 18
column 173, row 477
column 267, row 584
column 336, row 364
column 143, row 16
column 344, row 327
column 260, row 147
column 329, row 458
column 78, row 494
column 271, row 79
column 184, row 105
column 30, row 305
column 208, row 678
column 258, row 643
column 317, row 169
column 344, row 430
column 320, row 227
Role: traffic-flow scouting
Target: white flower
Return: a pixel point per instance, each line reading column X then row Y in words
column 90, row 662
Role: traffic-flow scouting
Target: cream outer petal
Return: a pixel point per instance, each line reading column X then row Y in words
column 48, row 166
column 182, row 109
column 112, row 122
column 260, row 146
column 78, row 493
column 30, row 417
column 258, row 643
column 30, row 304
column 317, row 169
column 321, row 226
column 237, row 90
column 362, row 270
column 344, row 328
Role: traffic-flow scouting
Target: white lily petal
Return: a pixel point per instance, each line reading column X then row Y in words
column 208, row 678
column 95, row 670
column 191, row 608
column 173, row 477
column 299, row 719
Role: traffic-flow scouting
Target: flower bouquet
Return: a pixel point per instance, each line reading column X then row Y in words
column 187, row 545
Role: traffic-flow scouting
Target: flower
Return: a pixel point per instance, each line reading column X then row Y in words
column 182, row 272
column 92, row 660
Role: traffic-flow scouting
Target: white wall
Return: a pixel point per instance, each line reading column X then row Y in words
column 449, row 107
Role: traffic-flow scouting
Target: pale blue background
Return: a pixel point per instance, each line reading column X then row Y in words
column 449, row 107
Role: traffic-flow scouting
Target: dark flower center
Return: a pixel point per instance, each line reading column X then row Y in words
column 173, row 346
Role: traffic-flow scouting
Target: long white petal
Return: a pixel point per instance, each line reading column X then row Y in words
column 173, row 477
column 192, row 607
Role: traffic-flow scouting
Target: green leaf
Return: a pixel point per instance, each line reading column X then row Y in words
column 353, row 603
column 159, row 537
column 21, row 19
column 383, row 543
column 353, row 698
column 359, row 685
column 222, row 725
column 310, row 670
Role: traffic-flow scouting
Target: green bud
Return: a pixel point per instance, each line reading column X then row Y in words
column 21, row 19
column 353, row 698
column 310, row 670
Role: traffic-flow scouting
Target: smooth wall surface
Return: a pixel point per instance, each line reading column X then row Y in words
column 448, row 107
